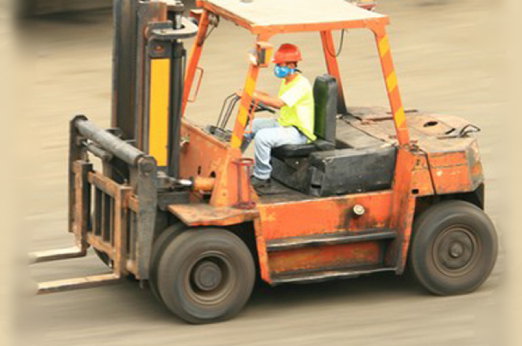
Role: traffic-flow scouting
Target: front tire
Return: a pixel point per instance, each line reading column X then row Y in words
column 160, row 243
column 454, row 248
column 205, row 275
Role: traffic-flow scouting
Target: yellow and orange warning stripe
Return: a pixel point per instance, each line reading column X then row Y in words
column 392, row 88
column 244, row 107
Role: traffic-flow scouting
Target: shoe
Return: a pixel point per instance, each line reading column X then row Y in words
column 259, row 183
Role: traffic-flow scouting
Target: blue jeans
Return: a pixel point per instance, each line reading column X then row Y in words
column 269, row 134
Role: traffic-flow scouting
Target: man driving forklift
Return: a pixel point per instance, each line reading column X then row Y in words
column 295, row 124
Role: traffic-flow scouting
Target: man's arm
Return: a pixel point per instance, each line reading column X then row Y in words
column 268, row 100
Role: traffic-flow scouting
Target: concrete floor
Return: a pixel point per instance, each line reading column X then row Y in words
column 448, row 60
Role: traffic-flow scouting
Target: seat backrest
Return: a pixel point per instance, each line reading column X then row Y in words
column 325, row 99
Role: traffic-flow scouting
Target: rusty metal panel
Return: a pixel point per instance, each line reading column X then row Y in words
column 101, row 245
column 423, row 127
column 320, row 258
column 421, row 184
column 453, row 163
column 380, row 129
column 103, row 183
column 133, row 203
column 110, row 226
column 427, row 125
column 325, row 215
column 328, row 274
column 452, row 179
column 370, row 113
column 456, row 166
column 403, row 209
column 119, row 237
column 203, row 155
column 326, row 239
column 82, row 202
column 305, row 217
column 262, row 253
column 202, row 214
column 75, row 153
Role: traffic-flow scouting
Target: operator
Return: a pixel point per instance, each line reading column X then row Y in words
column 295, row 124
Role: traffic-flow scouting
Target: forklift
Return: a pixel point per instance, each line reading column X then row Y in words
column 171, row 205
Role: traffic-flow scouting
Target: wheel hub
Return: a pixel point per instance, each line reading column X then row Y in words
column 207, row 275
column 456, row 249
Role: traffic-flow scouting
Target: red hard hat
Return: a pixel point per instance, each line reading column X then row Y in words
column 287, row 52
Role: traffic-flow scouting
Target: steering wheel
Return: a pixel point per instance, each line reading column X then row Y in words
column 228, row 107
column 261, row 107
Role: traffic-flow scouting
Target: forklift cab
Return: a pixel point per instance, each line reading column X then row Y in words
column 331, row 165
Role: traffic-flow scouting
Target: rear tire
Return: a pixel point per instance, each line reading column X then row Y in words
column 454, row 248
column 205, row 275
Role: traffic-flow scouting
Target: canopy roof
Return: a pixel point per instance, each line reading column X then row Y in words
column 276, row 16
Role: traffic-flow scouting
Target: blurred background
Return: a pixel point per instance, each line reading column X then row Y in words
column 42, row 7
column 452, row 57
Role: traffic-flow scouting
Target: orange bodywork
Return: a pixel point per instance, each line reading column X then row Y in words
column 320, row 216
column 418, row 172
column 460, row 170
column 205, row 156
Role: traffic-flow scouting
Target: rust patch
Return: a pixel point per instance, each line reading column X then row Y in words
column 340, row 256
column 325, row 215
column 206, row 215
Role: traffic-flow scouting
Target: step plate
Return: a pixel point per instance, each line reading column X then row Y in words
column 329, row 239
column 318, row 276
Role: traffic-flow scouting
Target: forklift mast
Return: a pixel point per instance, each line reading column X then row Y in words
column 105, row 211
column 148, row 76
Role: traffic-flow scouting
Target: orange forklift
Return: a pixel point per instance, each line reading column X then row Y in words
column 172, row 205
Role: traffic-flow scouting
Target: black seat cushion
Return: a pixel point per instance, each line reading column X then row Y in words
column 338, row 172
column 301, row 150
column 350, row 170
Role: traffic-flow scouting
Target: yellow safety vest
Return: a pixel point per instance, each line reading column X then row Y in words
column 299, row 109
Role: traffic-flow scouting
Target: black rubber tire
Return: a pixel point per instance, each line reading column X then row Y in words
column 453, row 249
column 228, row 270
column 160, row 243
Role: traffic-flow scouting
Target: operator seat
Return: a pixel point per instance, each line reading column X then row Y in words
column 319, row 169
column 325, row 117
